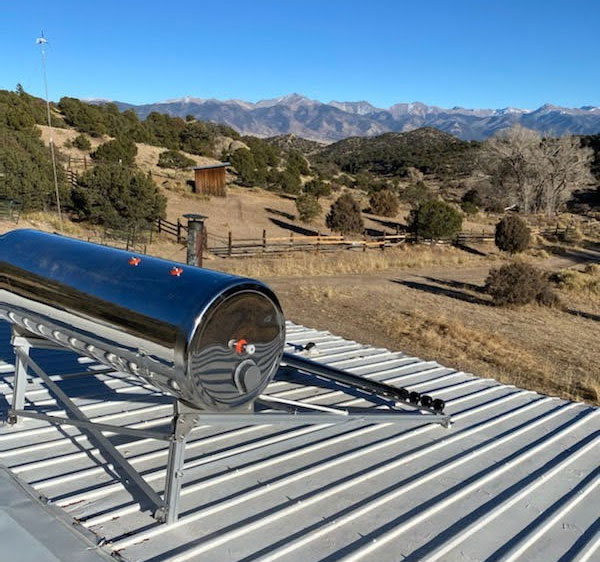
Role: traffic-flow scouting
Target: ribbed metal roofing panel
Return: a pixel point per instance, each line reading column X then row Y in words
column 515, row 478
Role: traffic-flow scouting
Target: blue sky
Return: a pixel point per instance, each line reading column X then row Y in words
column 465, row 53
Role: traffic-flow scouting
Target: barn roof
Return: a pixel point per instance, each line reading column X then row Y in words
column 212, row 166
column 515, row 478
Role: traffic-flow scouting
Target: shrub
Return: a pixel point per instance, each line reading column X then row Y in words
column 417, row 193
column 289, row 181
column 317, row 188
column 512, row 234
column 116, row 151
column 117, row 196
column 472, row 196
column 547, row 297
column 434, row 220
column 572, row 235
column 297, row 162
column 26, row 167
column 384, row 203
column 174, row 159
column 308, row 207
column 516, row 284
column 345, row 216
column 585, row 282
column 82, row 142
column 469, row 208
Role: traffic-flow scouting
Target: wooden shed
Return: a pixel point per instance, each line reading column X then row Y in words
column 211, row 179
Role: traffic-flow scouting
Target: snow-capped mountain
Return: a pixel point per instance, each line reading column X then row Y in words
column 336, row 120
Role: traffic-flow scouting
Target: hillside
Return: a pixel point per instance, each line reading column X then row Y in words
column 429, row 150
column 294, row 142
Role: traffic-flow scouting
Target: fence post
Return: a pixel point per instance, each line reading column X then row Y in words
column 364, row 242
column 229, row 244
column 318, row 241
column 264, row 240
column 291, row 238
column 195, row 242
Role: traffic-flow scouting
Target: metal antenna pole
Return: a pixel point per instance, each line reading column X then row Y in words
column 42, row 41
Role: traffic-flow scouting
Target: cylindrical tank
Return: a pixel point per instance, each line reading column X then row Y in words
column 212, row 340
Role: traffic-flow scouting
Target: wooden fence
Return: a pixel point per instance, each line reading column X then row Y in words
column 177, row 230
column 321, row 243
column 10, row 210
column 133, row 239
column 230, row 247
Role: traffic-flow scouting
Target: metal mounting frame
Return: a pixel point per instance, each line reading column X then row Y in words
column 274, row 411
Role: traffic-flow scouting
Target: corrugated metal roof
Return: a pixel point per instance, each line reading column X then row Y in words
column 212, row 166
column 516, row 477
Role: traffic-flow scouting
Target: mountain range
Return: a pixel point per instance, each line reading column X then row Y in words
column 328, row 122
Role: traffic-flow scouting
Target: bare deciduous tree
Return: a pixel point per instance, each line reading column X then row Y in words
column 565, row 167
column 535, row 173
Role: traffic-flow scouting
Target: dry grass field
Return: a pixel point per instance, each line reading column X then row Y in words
column 440, row 313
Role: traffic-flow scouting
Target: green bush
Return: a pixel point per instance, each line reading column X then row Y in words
column 416, row 193
column 297, row 162
column 512, row 234
column 469, row 208
column 518, row 284
column 308, row 207
column 289, row 181
column 250, row 170
column 19, row 110
column 117, row 196
column 174, row 159
column 384, row 203
column 116, row 151
column 26, row 166
column 345, row 216
column 82, row 142
column 434, row 220
column 317, row 188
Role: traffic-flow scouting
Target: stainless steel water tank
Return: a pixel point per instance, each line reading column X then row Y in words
column 212, row 340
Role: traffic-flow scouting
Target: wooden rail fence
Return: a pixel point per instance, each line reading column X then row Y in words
column 321, row 243
column 229, row 247
column 178, row 230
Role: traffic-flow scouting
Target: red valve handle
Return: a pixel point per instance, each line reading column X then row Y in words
column 176, row 271
column 239, row 346
column 134, row 261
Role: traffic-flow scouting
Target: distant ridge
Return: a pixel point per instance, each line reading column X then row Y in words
column 336, row 120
